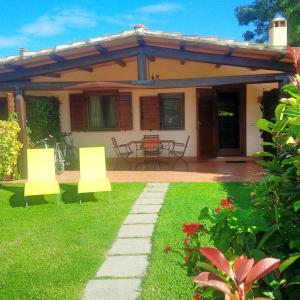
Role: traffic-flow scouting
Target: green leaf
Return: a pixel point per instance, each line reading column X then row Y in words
column 296, row 205
column 291, row 90
column 278, row 111
column 264, row 125
column 285, row 264
column 267, row 144
column 206, row 267
column 264, row 153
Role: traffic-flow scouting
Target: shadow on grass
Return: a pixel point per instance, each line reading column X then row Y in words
column 17, row 198
column 68, row 196
column 240, row 191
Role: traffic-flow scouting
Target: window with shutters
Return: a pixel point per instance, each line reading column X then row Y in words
column 102, row 112
column 171, row 111
column 3, row 108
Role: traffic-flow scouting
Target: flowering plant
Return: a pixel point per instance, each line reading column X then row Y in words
column 190, row 247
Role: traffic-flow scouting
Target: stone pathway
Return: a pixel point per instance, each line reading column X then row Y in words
column 120, row 276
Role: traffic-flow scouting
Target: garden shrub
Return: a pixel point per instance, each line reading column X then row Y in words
column 43, row 117
column 10, row 147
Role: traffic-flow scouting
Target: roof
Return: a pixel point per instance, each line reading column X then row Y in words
column 147, row 34
column 11, row 67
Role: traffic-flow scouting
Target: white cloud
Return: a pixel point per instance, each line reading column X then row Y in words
column 159, row 8
column 59, row 22
column 143, row 14
column 7, row 42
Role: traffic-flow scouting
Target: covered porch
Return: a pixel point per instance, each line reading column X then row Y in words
column 140, row 72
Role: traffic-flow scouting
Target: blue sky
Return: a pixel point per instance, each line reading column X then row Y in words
column 37, row 24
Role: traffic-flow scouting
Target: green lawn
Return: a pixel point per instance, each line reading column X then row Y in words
column 165, row 279
column 49, row 251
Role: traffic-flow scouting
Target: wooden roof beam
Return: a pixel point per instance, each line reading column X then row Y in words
column 183, row 82
column 219, row 59
column 141, row 41
column 52, row 75
column 56, row 58
column 69, row 64
column 101, row 49
column 278, row 57
column 14, row 67
column 121, row 62
column 230, row 51
column 86, row 69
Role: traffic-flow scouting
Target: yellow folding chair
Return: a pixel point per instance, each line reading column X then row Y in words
column 41, row 174
column 93, row 171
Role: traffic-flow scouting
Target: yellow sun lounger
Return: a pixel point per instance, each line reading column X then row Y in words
column 93, row 171
column 41, row 174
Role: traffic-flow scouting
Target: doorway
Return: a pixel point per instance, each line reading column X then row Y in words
column 221, row 116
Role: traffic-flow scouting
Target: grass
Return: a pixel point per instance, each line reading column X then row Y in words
column 49, row 251
column 165, row 278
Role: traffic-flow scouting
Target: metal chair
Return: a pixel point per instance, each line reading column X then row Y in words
column 123, row 151
column 178, row 150
column 151, row 147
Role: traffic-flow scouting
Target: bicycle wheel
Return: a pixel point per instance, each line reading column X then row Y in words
column 59, row 163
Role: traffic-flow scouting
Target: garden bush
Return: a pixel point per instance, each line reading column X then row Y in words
column 10, row 147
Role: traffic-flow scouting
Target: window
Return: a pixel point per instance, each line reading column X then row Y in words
column 171, row 111
column 3, row 108
column 102, row 112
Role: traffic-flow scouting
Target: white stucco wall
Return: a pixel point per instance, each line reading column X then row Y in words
column 102, row 138
column 253, row 113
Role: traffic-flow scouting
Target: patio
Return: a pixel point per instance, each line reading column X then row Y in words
column 216, row 170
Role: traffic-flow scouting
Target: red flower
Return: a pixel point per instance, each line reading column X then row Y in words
column 226, row 203
column 167, row 249
column 192, row 228
column 186, row 240
column 187, row 258
column 197, row 297
column 217, row 209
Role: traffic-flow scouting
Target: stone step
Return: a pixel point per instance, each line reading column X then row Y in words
column 141, row 219
column 139, row 230
column 113, row 289
column 155, row 189
column 142, row 209
column 153, row 195
column 157, row 184
column 131, row 246
column 124, row 266
column 151, row 201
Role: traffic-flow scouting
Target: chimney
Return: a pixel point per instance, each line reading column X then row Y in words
column 278, row 32
column 22, row 51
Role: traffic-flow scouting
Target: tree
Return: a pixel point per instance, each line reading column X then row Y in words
column 260, row 13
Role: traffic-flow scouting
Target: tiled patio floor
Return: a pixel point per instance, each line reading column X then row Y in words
column 208, row 171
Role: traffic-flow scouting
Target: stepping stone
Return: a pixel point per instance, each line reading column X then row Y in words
column 112, row 289
column 140, row 209
column 143, row 230
column 141, row 219
column 124, row 266
column 153, row 195
column 131, row 246
column 154, row 189
column 157, row 184
column 152, row 201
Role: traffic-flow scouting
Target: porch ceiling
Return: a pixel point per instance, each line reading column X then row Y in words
column 141, row 41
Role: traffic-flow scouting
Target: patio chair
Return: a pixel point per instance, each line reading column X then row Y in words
column 123, row 150
column 178, row 150
column 151, row 147
column 41, row 174
column 93, row 171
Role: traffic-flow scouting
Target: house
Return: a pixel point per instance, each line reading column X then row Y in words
column 142, row 81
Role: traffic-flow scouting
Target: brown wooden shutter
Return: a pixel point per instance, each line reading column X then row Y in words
column 78, row 112
column 149, row 113
column 125, row 111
